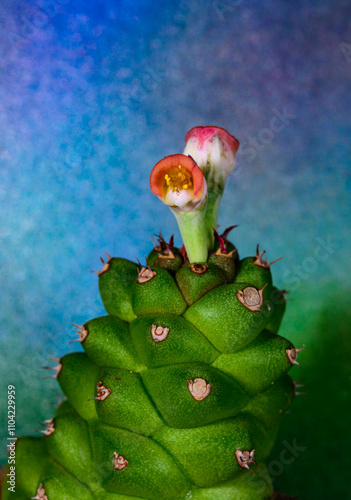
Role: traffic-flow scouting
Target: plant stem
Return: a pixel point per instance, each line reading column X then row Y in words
column 211, row 215
column 193, row 228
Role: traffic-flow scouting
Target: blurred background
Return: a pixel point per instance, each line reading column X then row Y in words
column 92, row 95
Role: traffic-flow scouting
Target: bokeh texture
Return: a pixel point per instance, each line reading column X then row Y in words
column 92, row 95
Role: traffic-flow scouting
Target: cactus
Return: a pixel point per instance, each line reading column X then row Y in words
column 181, row 386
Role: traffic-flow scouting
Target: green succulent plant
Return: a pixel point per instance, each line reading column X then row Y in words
column 181, row 386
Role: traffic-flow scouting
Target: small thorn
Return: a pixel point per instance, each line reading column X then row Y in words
column 82, row 333
column 49, row 427
column 292, row 355
column 297, row 385
column 274, row 261
column 171, row 243
column 221, row 241
column 57, row 368
column 247, row 467
column 245, row 458
column 167, row 253
column 260, row 254
column 145, row 273
column 285, row 292
column 161, row 245
column 138, row 261
column 105, row 265
column 260, row 261
column 183, row 252
column 227, row 231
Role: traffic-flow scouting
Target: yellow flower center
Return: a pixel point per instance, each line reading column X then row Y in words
column 178, row 178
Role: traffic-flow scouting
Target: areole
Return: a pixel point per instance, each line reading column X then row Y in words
column 41, row 494
column 245, row 458
column 145, row 273
column 199, row 388
column 251, row 297
column 105, row 265
column 119, row 462
column 56, row 368
column 50, row 427
column 82, row 333
column 159, row 333
column 198, row 268
column 259, row 261
column 102, row 392
column 292, row 354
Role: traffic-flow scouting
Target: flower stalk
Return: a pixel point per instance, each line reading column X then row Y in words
column 193, row 228
column 181, row 185
column 213, row 149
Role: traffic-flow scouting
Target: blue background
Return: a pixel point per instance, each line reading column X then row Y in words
column 93, row 94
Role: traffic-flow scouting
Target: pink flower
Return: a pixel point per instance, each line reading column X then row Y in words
column 178, row 182
column 213, row 149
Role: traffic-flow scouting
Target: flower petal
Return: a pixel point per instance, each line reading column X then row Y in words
column 169, row 193
column 213, row 149
column 206, row 134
